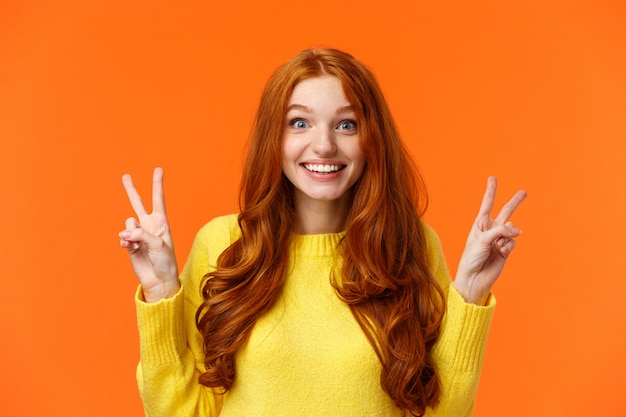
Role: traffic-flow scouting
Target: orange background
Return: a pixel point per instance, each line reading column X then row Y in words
column 533, row 92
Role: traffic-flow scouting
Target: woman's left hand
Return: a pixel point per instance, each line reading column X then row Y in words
column 488, row 246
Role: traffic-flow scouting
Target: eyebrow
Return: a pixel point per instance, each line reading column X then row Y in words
column 299, row 107
column 340, row 110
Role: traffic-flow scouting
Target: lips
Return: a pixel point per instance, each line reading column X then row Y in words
column 323, row 168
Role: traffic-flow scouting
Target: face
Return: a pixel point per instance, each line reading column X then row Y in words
column 321, row 154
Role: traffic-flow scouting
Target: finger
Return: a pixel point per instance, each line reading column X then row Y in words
column 125, row 243
column 140, row 236
column 132, row 223
column 133, row 196
column 486, row 206
column 506, row 249
column 131, row 247
column 509, row 208
column 158, row 198
column 497, row 232
column 501, row 241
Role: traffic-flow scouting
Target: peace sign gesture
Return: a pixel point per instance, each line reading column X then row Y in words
column 488, row 246
column 149, row 242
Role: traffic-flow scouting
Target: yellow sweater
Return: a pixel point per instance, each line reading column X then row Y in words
column 307, row 356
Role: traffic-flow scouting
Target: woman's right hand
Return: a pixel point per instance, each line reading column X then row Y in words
column 149, row 242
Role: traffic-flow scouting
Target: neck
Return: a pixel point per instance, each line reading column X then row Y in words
column 320, row 216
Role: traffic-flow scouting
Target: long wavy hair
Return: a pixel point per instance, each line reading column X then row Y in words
column 385, row 278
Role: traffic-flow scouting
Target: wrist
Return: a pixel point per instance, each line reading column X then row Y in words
column 161, row 292
column 471, row 296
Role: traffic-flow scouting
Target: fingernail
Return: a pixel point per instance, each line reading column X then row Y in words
column 124, row 234
column 517, row 232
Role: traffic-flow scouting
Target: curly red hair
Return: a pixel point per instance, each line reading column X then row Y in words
column 385, row 278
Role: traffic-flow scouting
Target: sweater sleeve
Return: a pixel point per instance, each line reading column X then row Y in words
column 170, row 345
column 460, row 349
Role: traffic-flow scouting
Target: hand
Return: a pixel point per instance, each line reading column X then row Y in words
column 149, row 242
column 488, row 246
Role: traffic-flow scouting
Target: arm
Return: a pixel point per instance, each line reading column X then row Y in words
column 487, row 248
column 460, row 349
column 170, row 345
column 149, row 242
column 459, row 354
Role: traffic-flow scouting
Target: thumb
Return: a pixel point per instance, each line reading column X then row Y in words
column 138, row 236
column 507, row 231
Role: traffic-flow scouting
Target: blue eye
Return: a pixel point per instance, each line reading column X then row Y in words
column 299, row 124
column 347, row 125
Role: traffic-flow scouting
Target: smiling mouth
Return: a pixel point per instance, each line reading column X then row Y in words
column 323, row 169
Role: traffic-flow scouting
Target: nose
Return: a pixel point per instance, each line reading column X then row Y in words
column 323, row 142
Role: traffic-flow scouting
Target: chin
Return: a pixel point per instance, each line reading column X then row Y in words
column 325, row 196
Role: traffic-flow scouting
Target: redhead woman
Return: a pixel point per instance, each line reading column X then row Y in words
column 327, row 295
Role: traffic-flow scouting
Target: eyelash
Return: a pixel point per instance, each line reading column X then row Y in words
column 352, row 123
column 293, row 122
column 348, row 121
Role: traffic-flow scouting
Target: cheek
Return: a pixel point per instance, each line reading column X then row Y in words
column 291, row 149
column 288, row 156
column 362, row 163
column 285, row 151
column 357, row 155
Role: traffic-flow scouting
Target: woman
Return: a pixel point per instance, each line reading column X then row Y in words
column 326, row 295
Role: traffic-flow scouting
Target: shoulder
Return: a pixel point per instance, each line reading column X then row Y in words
column 436, row 257
column 433, row 243
column 215, row 236
column 223, row 227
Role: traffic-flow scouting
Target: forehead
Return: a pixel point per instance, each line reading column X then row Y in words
column 326, row 89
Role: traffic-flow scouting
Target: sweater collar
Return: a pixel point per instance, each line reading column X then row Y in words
column 317, row 245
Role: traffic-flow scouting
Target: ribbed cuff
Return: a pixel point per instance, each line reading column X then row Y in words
column 161, row 329
column 464, row 332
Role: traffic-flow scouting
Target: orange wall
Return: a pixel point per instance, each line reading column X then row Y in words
column 534, row 92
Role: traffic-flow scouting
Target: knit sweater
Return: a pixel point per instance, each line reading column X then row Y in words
column 307, row 356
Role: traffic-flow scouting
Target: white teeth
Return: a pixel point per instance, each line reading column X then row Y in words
column 322, row 168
